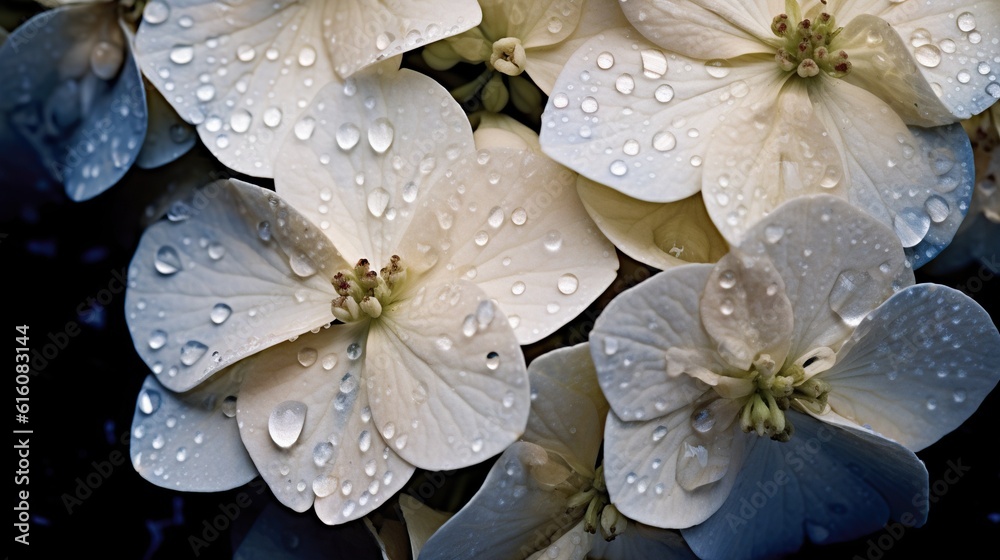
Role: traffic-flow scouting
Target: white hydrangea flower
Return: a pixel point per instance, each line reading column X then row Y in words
column 480, row 251
column 778, row 360
column 717, row 97
column 544, row 498
column 245, row 72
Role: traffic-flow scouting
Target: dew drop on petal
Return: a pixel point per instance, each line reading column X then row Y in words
column 380, row 134
column 663, row 93
column 182, row 54
column 568, row 284
column 911, row 226
column 264, row 231
column 307, row 56
column 624, row 84
column 703, row 420
column 307, row 356
column 654, row 63
column 937, row 208
column 285, row 423
column 589, row 105
column 560, row 101
column 304, row 128
column 272, row 117
column 167, row 260
column 378, row 199
column 605, row 60
column 347, row 136
column 192, row 351
column 229, row 406
column 493, row 360
column 354, row 351
column 149, row 401
column 519, row 216
column 220, row 312
column 156, row 12
column 664, row 141
column 966, row 22
column 773, row 233
column 517, row 288
column 618, row 168
column 157, row 339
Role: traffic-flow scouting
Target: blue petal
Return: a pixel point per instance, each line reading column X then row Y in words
column 950, row 155
column 168, row 137
column 829, row 483
column 87, row 131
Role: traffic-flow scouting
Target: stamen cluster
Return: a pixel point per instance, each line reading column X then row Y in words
column 364, row 292
column 807, row 46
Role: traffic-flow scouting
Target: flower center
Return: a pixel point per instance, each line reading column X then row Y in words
column 807, row 44
column 776, row 392
column 508, row 56
column 601, row 513
column 363, row 292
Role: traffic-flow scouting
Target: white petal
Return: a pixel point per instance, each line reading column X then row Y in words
column 511, row 222
column 74, row 96
column 574, row 544
column 168, row 137
column 568, row 409
column 852, row 263
column 240, row 271
column 374, row 149
column 242, row 74
column 631, row 337
column 745, row 310
column 917, row 181
column 453, row 396
column 661, row 235
column 190, row 441
column 421, row 521
column 305, row 419
column 643, row 125
column 545, row 63
column 648, row 465
column 774, row 151
column 828, row 484
column 705, row 29
column 497, row 130
column 951, row 40
column 918, row 366
column 882, row 63
column 520, row 512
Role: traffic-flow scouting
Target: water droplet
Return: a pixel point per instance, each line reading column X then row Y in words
column 993, row 89
column 555, row 25
column 301, row 265
column 664, row 141
column 264, row 231
column 182, row 54
column 149, row 401
column 167, row 260
column 156, row 12
column 928, row 55
column 304, row 128
column 659, row 433
column 654, row 63
column 959, row 395
column 937, row 208
column 727, row 307
column 560, row 101
column 519, row 216
column 364, row 441
column 481, row 238
column 552, row 241
column 220, row 313
column 493, row 360
column 517, row 288
column 963, row 76
column 348, row 508
column 664, row 93
column 618, row 168
column 624, row 84
column 605, row 60
column 159, row 441
column 589, row 105
column 383, row 40
column 380, row 134
column 307, row 356
column 773, row 233
column 157, row 339
column 378, row 199
column 966, row 22
column 272, row 117
column 229, row 406
column 181, row 454
column 240, row 120
column 285, row 423
column 911, row 225
column 631, row 147
column 568, row 284
column 932, row 404
column 703, row 420
column 354, row 351
column 216, row 251
column 348, row 383
column 307, row 56
column 717, row 68
column 727, row 279
column 192, row 351
column 347, row 136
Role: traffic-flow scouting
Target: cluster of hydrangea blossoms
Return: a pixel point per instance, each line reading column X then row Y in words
column 244, row 72
column 804, row 361
column 544, row 498
column 753, row 103
column 481, row 251
column 75, row 100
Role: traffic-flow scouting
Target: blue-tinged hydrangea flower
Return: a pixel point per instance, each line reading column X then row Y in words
column 73, row 98
column 244, row 72
column 796, row 363
column 436, row 260
column 753, row 103
column 545, row 496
